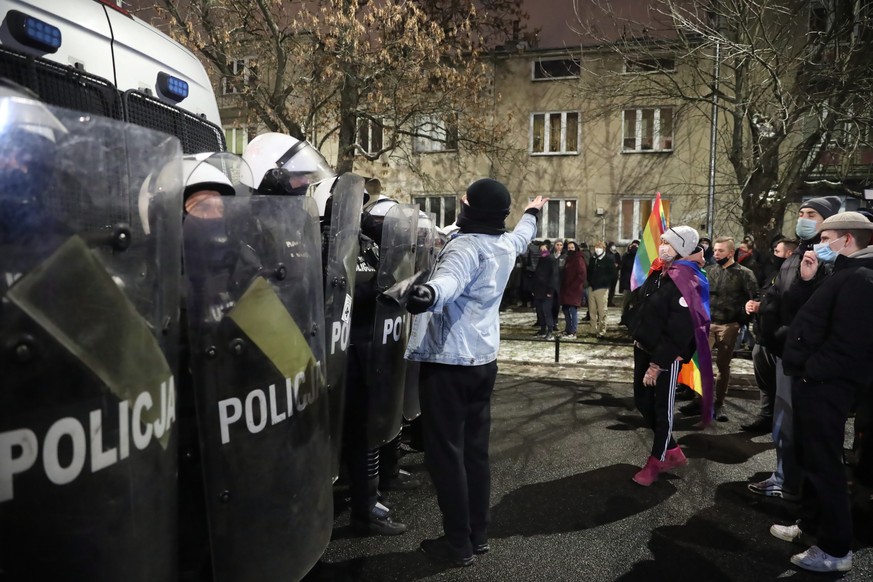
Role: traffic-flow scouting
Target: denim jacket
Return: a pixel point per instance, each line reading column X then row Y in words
column 462, row 327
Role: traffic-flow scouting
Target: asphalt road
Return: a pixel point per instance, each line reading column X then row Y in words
column 566, row 441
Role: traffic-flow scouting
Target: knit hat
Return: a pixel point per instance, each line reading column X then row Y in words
column 682, row 238
column 489, row 196
column 827, row 206
column 846, row 221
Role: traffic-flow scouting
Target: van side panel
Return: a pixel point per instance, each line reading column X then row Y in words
column 86, row 37
column 142, row 52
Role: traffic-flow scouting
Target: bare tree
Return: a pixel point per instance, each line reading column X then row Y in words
column 790, row 81
column 336, row 69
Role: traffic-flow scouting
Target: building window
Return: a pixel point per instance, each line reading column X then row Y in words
column 648, row 130
column 650, row 65
column 244, row 71
column 370, row 135
column 551, row 69
column 436, row 133
column 633, row 214
column 554, row 133
column 238, row 138
column 443, row 207
column 558, row 219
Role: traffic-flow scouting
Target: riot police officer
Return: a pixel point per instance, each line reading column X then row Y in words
column 88, row 304
column 283, row 165
column 255, row 312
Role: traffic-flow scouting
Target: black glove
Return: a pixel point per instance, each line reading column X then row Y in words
column 421, row 297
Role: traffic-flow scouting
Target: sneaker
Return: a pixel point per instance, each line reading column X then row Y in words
column 568, row 336
column 788, row 533
column 441, row 550
column 760, row 425
column 649, row 474
column 674, row 458
column 816, row 560
column 719, row 415
column 548, row 336
column 379, row 522
column 770, row 488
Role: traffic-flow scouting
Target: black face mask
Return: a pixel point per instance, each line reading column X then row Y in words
column 777, row 262
column 723, row 261
column 277, row 182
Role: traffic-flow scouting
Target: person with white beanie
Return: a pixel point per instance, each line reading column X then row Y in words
column 669, row 323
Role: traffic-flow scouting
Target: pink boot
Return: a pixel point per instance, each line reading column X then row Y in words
column 649, row 474
column 673, row 459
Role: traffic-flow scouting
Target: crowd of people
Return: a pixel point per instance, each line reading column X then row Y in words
column 797, row 306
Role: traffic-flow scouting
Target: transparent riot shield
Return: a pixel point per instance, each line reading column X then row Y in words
column 386, row 369
column 339, row 285
column 90, row 216
column 425, row 258
column 256, row 316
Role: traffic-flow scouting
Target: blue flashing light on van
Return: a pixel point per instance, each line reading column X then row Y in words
column 33, row 32
column 172, row 87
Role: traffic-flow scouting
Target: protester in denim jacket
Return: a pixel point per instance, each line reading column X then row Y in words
column 457, row 344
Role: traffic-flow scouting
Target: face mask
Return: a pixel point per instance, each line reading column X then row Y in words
column 599, row 252
column 777, row 262
column 544, row 253
column 612, row 249
column 806, row 228
column 825, row 253
column 665, row 253
column 723, row 261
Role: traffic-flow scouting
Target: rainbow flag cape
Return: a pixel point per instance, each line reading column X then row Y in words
column 696, row 374
column 648, row 251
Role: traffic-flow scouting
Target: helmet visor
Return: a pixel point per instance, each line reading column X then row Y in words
column 309, row 164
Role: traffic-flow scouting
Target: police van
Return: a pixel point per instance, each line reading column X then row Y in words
column 96, row 57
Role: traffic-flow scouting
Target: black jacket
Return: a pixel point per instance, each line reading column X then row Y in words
column 627, row 269
column 784, row 299
column 601, row 272
column 545, row 277
column 661, row 322
column 830, row 339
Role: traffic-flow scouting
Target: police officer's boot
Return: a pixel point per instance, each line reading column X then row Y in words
column 379, row 520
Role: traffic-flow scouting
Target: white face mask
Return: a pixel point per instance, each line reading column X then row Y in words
column 666, row 253
column 598, row 251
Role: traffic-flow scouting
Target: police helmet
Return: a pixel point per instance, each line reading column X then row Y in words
column 283, row 165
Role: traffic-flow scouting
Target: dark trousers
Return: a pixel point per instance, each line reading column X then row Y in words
column 361, row 462
column 820, row 414
column 456, row 421
column 765, row 376
column 544, row 314
column 656, row 403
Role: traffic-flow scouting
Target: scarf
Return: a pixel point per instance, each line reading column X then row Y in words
column 472, row 221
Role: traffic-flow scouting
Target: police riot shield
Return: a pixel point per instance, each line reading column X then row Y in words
column 339, row 285
column 386, row 368
column 90, row 216
column 425, row 258
column 256, row 317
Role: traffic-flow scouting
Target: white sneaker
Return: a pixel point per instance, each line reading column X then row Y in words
column 788, row 533
column 816, row 560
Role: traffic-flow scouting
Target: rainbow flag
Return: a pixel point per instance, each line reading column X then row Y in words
column 648, row 251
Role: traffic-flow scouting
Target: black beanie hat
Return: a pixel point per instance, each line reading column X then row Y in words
column 489, row 196
column 827, row 206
